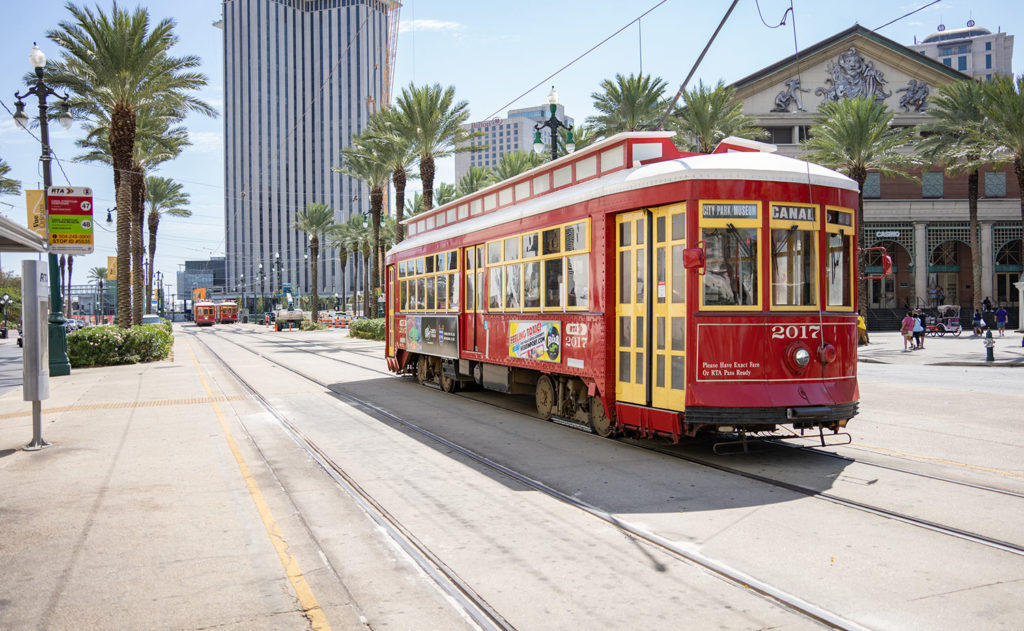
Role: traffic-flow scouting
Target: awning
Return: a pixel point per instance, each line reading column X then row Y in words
column 16, row 238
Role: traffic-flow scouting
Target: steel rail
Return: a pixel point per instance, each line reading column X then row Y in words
column 745, row 581
column 474, row 605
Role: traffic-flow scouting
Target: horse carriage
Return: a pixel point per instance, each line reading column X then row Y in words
column 945, row 320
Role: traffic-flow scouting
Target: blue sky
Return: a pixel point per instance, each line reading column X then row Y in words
column 493, row 53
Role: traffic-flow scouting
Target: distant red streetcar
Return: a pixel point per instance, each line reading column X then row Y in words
column 633, row 288
column 205, row 313
column 227, row 312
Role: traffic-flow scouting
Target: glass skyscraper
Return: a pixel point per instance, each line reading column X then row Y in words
column 300, row 79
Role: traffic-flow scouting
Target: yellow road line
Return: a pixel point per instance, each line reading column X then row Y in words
column 116, row 405
column 307, row 600
column 940, row 460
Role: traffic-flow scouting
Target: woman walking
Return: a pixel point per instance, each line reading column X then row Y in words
column 907, row 330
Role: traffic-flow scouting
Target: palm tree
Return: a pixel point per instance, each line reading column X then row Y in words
column 98, row 275
column 445, row 192
column 630, row 103
column 414, row 204
column 853, row 136
column 515, row 162
column 431, row 118
column 473, row 180
column 115, row 66
column 314, row 221
column 1004, row 107
column 957, row 136
column 339, row 237
column 360, row 162
column 8, row 186
column 165, row 197
column 384, row 136
column 709, row 116
column 582, row 135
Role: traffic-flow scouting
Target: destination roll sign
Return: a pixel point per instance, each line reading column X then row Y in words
column 729, row 211
column 793, row 213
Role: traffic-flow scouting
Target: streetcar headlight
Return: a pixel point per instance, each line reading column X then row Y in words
column 801, row 357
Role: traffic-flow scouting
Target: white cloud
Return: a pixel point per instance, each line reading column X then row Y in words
column 407, row 26
column 206, row 141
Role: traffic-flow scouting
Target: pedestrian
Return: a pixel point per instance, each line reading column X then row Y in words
column 986, row 304
column 907, row 330
column 1001, row 320
column 862, row 330
column 976, row 322
column 940, row 298
column 919, row 330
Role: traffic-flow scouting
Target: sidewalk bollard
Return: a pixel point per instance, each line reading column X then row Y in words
column 989, row 346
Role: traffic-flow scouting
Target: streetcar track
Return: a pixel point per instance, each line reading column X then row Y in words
column 926, row 524
column 811, row 449
column 474, row 605
column 736, row 577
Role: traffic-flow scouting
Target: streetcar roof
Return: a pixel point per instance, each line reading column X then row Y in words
column 738, row 165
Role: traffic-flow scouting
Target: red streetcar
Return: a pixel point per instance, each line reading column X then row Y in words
column 227, row 312
column 205, row 313
column 633, row 288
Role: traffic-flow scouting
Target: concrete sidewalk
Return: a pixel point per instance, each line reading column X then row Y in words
column 138, row 516
column 966, row 350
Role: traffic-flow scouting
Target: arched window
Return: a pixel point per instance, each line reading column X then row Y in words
column 945, row 254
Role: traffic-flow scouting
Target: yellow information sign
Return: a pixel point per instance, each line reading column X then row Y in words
column 111, row 268
column 36, row 206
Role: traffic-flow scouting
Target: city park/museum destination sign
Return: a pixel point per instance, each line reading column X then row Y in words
column 69, row 220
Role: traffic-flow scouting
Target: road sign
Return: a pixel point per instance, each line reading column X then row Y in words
column 70, row 220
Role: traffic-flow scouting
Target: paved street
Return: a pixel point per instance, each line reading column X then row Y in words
column 164, row 480
column 10, row 363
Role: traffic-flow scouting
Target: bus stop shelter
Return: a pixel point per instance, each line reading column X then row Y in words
column 15, row 238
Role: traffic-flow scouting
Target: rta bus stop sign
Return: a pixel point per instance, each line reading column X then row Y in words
column 69, row 219
column 35, row 306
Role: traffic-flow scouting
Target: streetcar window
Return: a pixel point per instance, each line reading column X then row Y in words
column 419, row 266
column 401, row 269
column 421, row 293
column 404, row 295
column 531, row 285
column 470, row 291
column 553, row 283
column 659, row 229
column 625, row 278
column 661, row 333
column 793, row 255
column 453, row 260
column 659, row 270
column 442, row 261
column 678, row 334
column 494, row 252
column 678, row 274
column 494, row 289
column 626, row 233
column 430, row 293
column 731, row 276
column 480, row 291
column 678, row 226
column 838, row 276
column 512, row 249
column 453, row 292
column 625, row 331
column 513, row 287
column 552, row 241
column 442, row 292
column 678, row 373
column 430, row 265
column 576, row 237
column 641, row 231
column 479, row 256
column 530, row 245
column 641, row 274
column 578, row 281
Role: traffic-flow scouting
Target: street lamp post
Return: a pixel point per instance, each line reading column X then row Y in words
column 554, row 124
column 58, row 348
column 160, row 293
column 262, row 277
column 241, row 284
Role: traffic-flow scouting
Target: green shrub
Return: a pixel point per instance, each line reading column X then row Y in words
column 112, row 345
column 367, row 329
column 312, row 326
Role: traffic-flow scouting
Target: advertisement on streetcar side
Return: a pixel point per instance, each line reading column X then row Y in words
column 534, row 339
column 433, row 335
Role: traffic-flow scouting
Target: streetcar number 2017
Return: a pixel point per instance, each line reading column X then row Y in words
column 795, row 331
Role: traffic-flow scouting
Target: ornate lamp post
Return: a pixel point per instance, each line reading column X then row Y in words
column 241, row 285
column 262, row 276
column 58, row 348
column 554, row 124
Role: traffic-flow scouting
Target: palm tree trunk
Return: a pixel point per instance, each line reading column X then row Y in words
column 154, row 223
column 122, row 143
column 366, row 286
column 376, row 204
column 427, row 176
column 314, row 246
column 399, row 179
column 138, row 253
column 972, row 205
column 859, row 175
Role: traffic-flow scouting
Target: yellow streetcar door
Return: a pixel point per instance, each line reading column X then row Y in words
column 668, row 317
column 631, row 307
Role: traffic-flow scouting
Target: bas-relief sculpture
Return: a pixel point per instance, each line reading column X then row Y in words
column 851, row 76
column 916, row 96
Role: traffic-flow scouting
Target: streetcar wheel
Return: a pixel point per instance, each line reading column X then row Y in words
column 448, row 384
column 545, row 397
column 599, row 421
column 421, row 370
